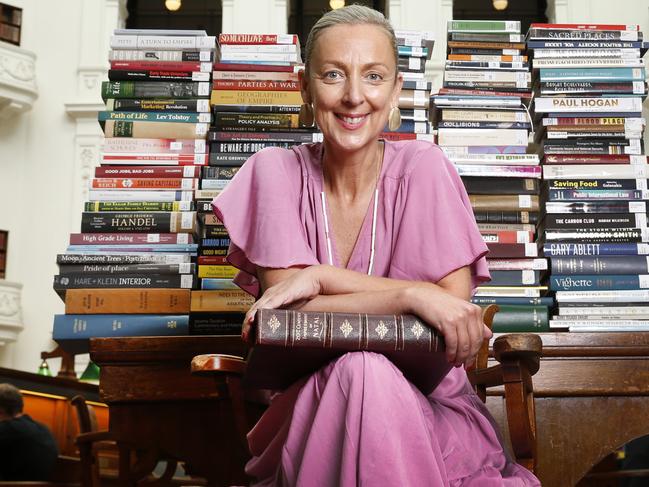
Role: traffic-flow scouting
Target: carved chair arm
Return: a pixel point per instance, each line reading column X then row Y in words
column 216, row 364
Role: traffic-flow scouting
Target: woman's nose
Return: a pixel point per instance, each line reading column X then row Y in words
column 353, row 91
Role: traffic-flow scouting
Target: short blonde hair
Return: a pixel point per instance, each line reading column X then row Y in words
column 349, row 15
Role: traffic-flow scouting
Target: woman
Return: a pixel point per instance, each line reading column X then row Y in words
column 361, row 225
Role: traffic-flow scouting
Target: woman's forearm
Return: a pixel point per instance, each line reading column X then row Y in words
column 388, row 301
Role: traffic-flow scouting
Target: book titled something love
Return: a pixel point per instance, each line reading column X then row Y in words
column 290, row 345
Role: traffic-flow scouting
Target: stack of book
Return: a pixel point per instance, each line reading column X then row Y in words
column 483, row 126
column 591, row 85
column 130, row 271
column 414, row 48
column 255, row 101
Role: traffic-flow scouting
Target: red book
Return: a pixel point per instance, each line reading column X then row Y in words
column 147, row 172
column 631, row 27
column 397, row 136
column 507, row 236
column 263, row 85
column 212, row 260
column 258, row 39
column 129, row 238
column 173, row 159
column 257, row 67
column 162, row 65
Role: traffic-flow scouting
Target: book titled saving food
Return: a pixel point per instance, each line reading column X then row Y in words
column 290, row 344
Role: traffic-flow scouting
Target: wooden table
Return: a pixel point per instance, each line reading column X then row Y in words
column 160, row 410
column 591, row 397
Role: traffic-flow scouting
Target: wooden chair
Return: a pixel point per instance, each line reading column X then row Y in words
column 518, row 356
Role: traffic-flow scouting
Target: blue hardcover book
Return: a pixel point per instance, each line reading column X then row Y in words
column 591, row 74
column 485, row 300
column 615, row 264
column 75, row 327
column 411, row 127
column 210, row 283
column 586, row 249
column 596, row 282
column 186, row 117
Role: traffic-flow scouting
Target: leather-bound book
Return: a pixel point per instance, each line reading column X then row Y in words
column 289, row 345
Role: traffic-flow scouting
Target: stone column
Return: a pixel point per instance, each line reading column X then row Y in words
column 255, row 16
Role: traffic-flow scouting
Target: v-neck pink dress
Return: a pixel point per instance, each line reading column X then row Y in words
column 358, row 421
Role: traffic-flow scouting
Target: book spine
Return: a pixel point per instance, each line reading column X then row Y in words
column 596, row 194
column 144, row 160
column 525, row 319
column 130, row 258
column 595, row 282
column 467, row 36
column 514, row 250
column 147, row 172
column 140, row 222
column 247, row 147
column 217, row 271
column 295, row 137
column 136, row 301
column 156, row 75
column 586, row 35
column 595, row 235
column 145, row 248
column 145, row 269
column 514, row 278
column 223, row 301
column 588, row 63
column 269, row 57
column 219, row 172
column 507, row 186
column 199, row 105
column 486, row 300
column 83, row 326
column 499, row 216
column 629, row 264
column 596, row 207
column 187, row 66
column 166, row 43
column 294, row 109
column 178, row 117
column 587, row 249
column 480, row 137
column 507, row 236
column 485, row 115
column 345, row 331
column 583, row 44
column 83, row 281
column 587, row 171
column 215, row 323
column 285, row 120
column 504, row 202
column 265, row 85
column 520, row 79
column 138, row 206
column 258, row 39
column 133, row 184
column 161, row 56
column 155, row 89
column 120, row 128
column 583, row 104
column 483, row 125
column 272, row 68
column 591, row 74
column 253, row 76
column 586, row 53
column 139, row 195
column 590, row 146
column 228, row 159
column 507, row 264
column 151, row 146
column 485, row 45
column 129, row 238
column 577, row 27
column 498, row 171
column 492, row 26
column 618, row 220
column 255, row 97
column 227, row 49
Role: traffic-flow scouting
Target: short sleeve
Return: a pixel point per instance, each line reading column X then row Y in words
column 260, row 210
column 437, row 230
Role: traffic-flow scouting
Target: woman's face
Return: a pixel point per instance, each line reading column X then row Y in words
column 352, row 85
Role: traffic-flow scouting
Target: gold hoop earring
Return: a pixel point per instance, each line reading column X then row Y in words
column 306, row 118
column 394, row 119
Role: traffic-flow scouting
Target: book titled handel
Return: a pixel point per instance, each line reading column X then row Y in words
column 290, row 345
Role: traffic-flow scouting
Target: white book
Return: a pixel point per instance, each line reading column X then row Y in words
column 472, row 137
column 588, row 63
column 261, row 56
column 511, row 291
column 586, row 53
column 567, row 207
column 604, row 328
column 163, row 42
column 622, row 296
column 518, row 77
column 156, row 55
column 271, row 48
column 587, row 104
column 159, row 32
column 514, row 159
column 569, row 311
column 596, row 171
column 539, row 264
column 128, row 195
column 598, row 323
column 157, row 158
column 498, row 170
column 481, row 102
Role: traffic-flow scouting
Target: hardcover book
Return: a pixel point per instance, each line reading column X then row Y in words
column 291, row 344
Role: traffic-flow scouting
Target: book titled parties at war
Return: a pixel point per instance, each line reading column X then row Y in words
column 84, row 280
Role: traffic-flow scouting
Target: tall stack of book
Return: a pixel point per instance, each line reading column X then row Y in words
column 591, row 84
column 255, row 104
column 129, row 271
column 483, row 126
column 414, row 48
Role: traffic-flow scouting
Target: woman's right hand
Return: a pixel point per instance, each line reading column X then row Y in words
column 459, row 321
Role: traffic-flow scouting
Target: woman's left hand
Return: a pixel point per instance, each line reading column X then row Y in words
column 294, row 291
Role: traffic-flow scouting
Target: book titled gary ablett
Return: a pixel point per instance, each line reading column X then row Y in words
column 291, row 344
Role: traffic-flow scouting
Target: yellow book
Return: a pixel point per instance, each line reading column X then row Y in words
column 217, row 271
column 246, row 97
column 234, row 301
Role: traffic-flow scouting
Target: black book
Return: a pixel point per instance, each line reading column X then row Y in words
column 606, row 220
column 93, row 281
column 257, row 108
column 491, row 216
column 228, row 159
column 496, row 185
column 623, row 264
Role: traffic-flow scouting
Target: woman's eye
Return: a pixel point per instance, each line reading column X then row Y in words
column 374, row 77
column 332, row 75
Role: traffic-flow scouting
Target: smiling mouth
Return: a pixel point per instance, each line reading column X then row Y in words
column 351, row 120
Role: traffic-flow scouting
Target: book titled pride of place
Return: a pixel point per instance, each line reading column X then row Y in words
column 290, row 345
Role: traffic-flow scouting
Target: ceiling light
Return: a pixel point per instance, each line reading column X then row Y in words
column 174, row 5
column 334, row 4
column 500, row 4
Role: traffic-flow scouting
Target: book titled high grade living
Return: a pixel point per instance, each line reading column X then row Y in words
column 290, row 345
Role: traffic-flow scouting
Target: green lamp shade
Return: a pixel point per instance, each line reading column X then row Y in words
column 91, row 374
column 44, row 369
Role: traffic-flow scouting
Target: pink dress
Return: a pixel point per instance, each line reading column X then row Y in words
column 358, row 421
